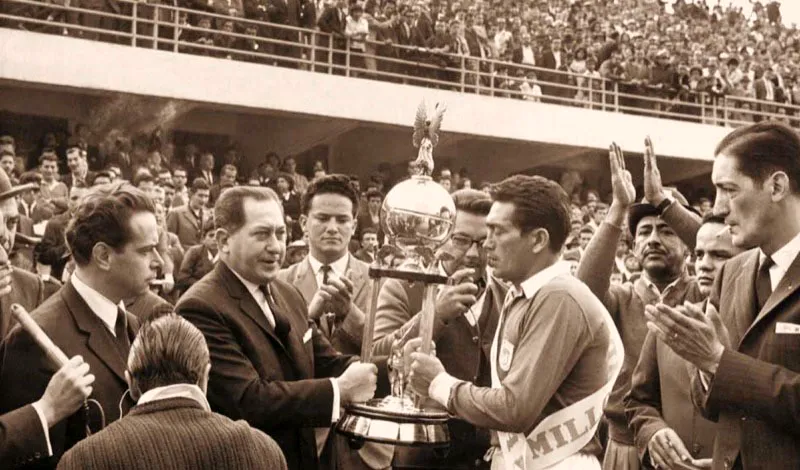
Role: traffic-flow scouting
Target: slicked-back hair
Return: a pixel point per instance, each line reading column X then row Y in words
column 472, row 201
column 168, row 350
column 199, row 184
column 103, row 216
column 229, row 208
column 764, row 148
column 329, row 184
column 538, row 203
column 711, row 218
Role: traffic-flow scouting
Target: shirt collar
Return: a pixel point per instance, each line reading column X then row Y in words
column 651, row 285
column 786, row 255
column 339, row 267
column 253, row 288
column 105, row 309
column 191, row 391
column 532, row 285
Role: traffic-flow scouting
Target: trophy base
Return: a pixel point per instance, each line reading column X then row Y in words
column 396, row 421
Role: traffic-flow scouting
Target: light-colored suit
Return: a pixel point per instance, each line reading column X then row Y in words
column 755, row 394
column 346, row 337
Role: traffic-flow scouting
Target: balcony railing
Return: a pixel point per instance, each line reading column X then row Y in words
column 167, row 28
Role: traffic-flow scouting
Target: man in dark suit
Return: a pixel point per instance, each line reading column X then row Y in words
column 29, row 199
column 270, row 365
column 205, row 169
column 199, row 259
column 25, row 288
column 24, row 435
column 466, row 320
column 168, row 379
column 52, row 250
column 78, row 166
column 187, row 221
column 333, row 22
column 113, row 238
column 745, row 346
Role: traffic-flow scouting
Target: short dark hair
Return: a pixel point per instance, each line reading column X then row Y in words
column 167, row 350
column 586, row 229
column 288, row 179
column 763, row 148
column 711, row 218
column 103, row 216
column 229, row 208
column 30, row 177
column 373, row 193
column 368, row 230
column 143, row 177
column 48, row 155
column 198, row 184
column 329, row 184
column 229, row 166
column 102, row 174
column 472, row 201
column 538, row 203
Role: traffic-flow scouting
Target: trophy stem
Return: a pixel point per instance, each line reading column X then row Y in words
column 369, row 322
column 426, row 321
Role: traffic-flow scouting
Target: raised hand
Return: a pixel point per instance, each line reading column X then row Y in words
column 624, row 192
column 653, row 188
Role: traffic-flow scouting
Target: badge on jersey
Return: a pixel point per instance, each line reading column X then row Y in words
column 506, row 354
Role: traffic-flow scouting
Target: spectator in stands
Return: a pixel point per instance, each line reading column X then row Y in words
column 29, row 205
column 357, row 30
column 187, row 221
column 168, row 368
column 369, row 214
column 368, row 245
column 53, row 250
column 53, row 193
column 206, row 169
column 227, row 178
column 7, row 163
column 199, row 259
column 179, row 180
column 78, row 166
column 284, row 187
column 333, row 21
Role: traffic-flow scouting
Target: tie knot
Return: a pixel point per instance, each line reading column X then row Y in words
column 767, row 263
column 326, row 272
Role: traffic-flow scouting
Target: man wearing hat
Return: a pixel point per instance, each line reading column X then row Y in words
column 27, row 289
column 664, row 279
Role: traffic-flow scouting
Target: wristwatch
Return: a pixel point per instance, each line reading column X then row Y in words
column 668, row 200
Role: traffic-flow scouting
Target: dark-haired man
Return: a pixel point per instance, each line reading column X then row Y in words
column 328, row 210
column 187, row 221
column 113, row 238
column 745, row 345
column 368, row 246
column 555, row 346
column 270, row 365
column 660, row 247
column 52, row 250
column 466, row 319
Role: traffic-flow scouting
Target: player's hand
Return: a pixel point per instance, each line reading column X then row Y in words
column 358, row 382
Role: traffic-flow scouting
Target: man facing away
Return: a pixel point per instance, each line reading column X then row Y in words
column 172, row 425
column 555, row 345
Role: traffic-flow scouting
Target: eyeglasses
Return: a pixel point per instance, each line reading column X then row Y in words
column 463, row 243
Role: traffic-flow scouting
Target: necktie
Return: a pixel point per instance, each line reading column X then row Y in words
column 763, row 283
column 327, row 320
column 121, row 332
column 282, row 325
column 326, row 270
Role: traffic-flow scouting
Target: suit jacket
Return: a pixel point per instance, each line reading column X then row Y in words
column 464, row 350
column 146, row 305
column 332, row 21
column 26, row 370
column 68, row 180
column 22, row 438
column 195, row 265
column 37, row 214
column 52, row 250
column 186, row 436
column 347, row 336
column 660, row 397
column 28, row 290
column 24, row 245
column 183, row 223
column 281, row 389
column 755, row 394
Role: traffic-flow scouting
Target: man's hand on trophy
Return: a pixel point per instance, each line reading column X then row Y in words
column 457, row 296
column 413, row 346
column 424, row 368
column 358, row 382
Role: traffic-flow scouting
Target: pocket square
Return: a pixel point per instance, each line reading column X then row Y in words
column 307, row 336
column 783, row 328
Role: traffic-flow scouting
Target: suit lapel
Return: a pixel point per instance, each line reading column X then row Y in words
column 247, row 303
column 305, row 280
column 358, row 276
column 785, row 288
column 301, row 359
column 100, row 339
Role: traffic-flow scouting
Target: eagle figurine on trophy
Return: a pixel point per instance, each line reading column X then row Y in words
column 426, row 136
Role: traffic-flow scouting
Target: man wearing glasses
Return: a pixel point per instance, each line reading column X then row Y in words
column 466, row 318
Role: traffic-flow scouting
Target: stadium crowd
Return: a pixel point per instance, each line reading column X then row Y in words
column 702, row 61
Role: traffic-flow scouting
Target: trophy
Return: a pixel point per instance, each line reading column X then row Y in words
column 418, row 216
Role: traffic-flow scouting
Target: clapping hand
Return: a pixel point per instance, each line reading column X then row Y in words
column 624, row 192
column 653, row 187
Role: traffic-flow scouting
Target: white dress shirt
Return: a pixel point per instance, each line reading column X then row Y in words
column 783, row 259
column 191, row 391
column 99, row 304
column 338, row 267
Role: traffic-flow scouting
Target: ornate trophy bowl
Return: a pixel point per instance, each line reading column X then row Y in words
column 418, row 216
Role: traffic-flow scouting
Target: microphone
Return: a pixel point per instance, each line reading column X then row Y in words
column 41, row 338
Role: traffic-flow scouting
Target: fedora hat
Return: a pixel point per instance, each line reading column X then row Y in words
column 7, row 190
column 639, row 211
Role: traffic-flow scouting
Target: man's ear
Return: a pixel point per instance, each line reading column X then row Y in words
column 222, row 237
